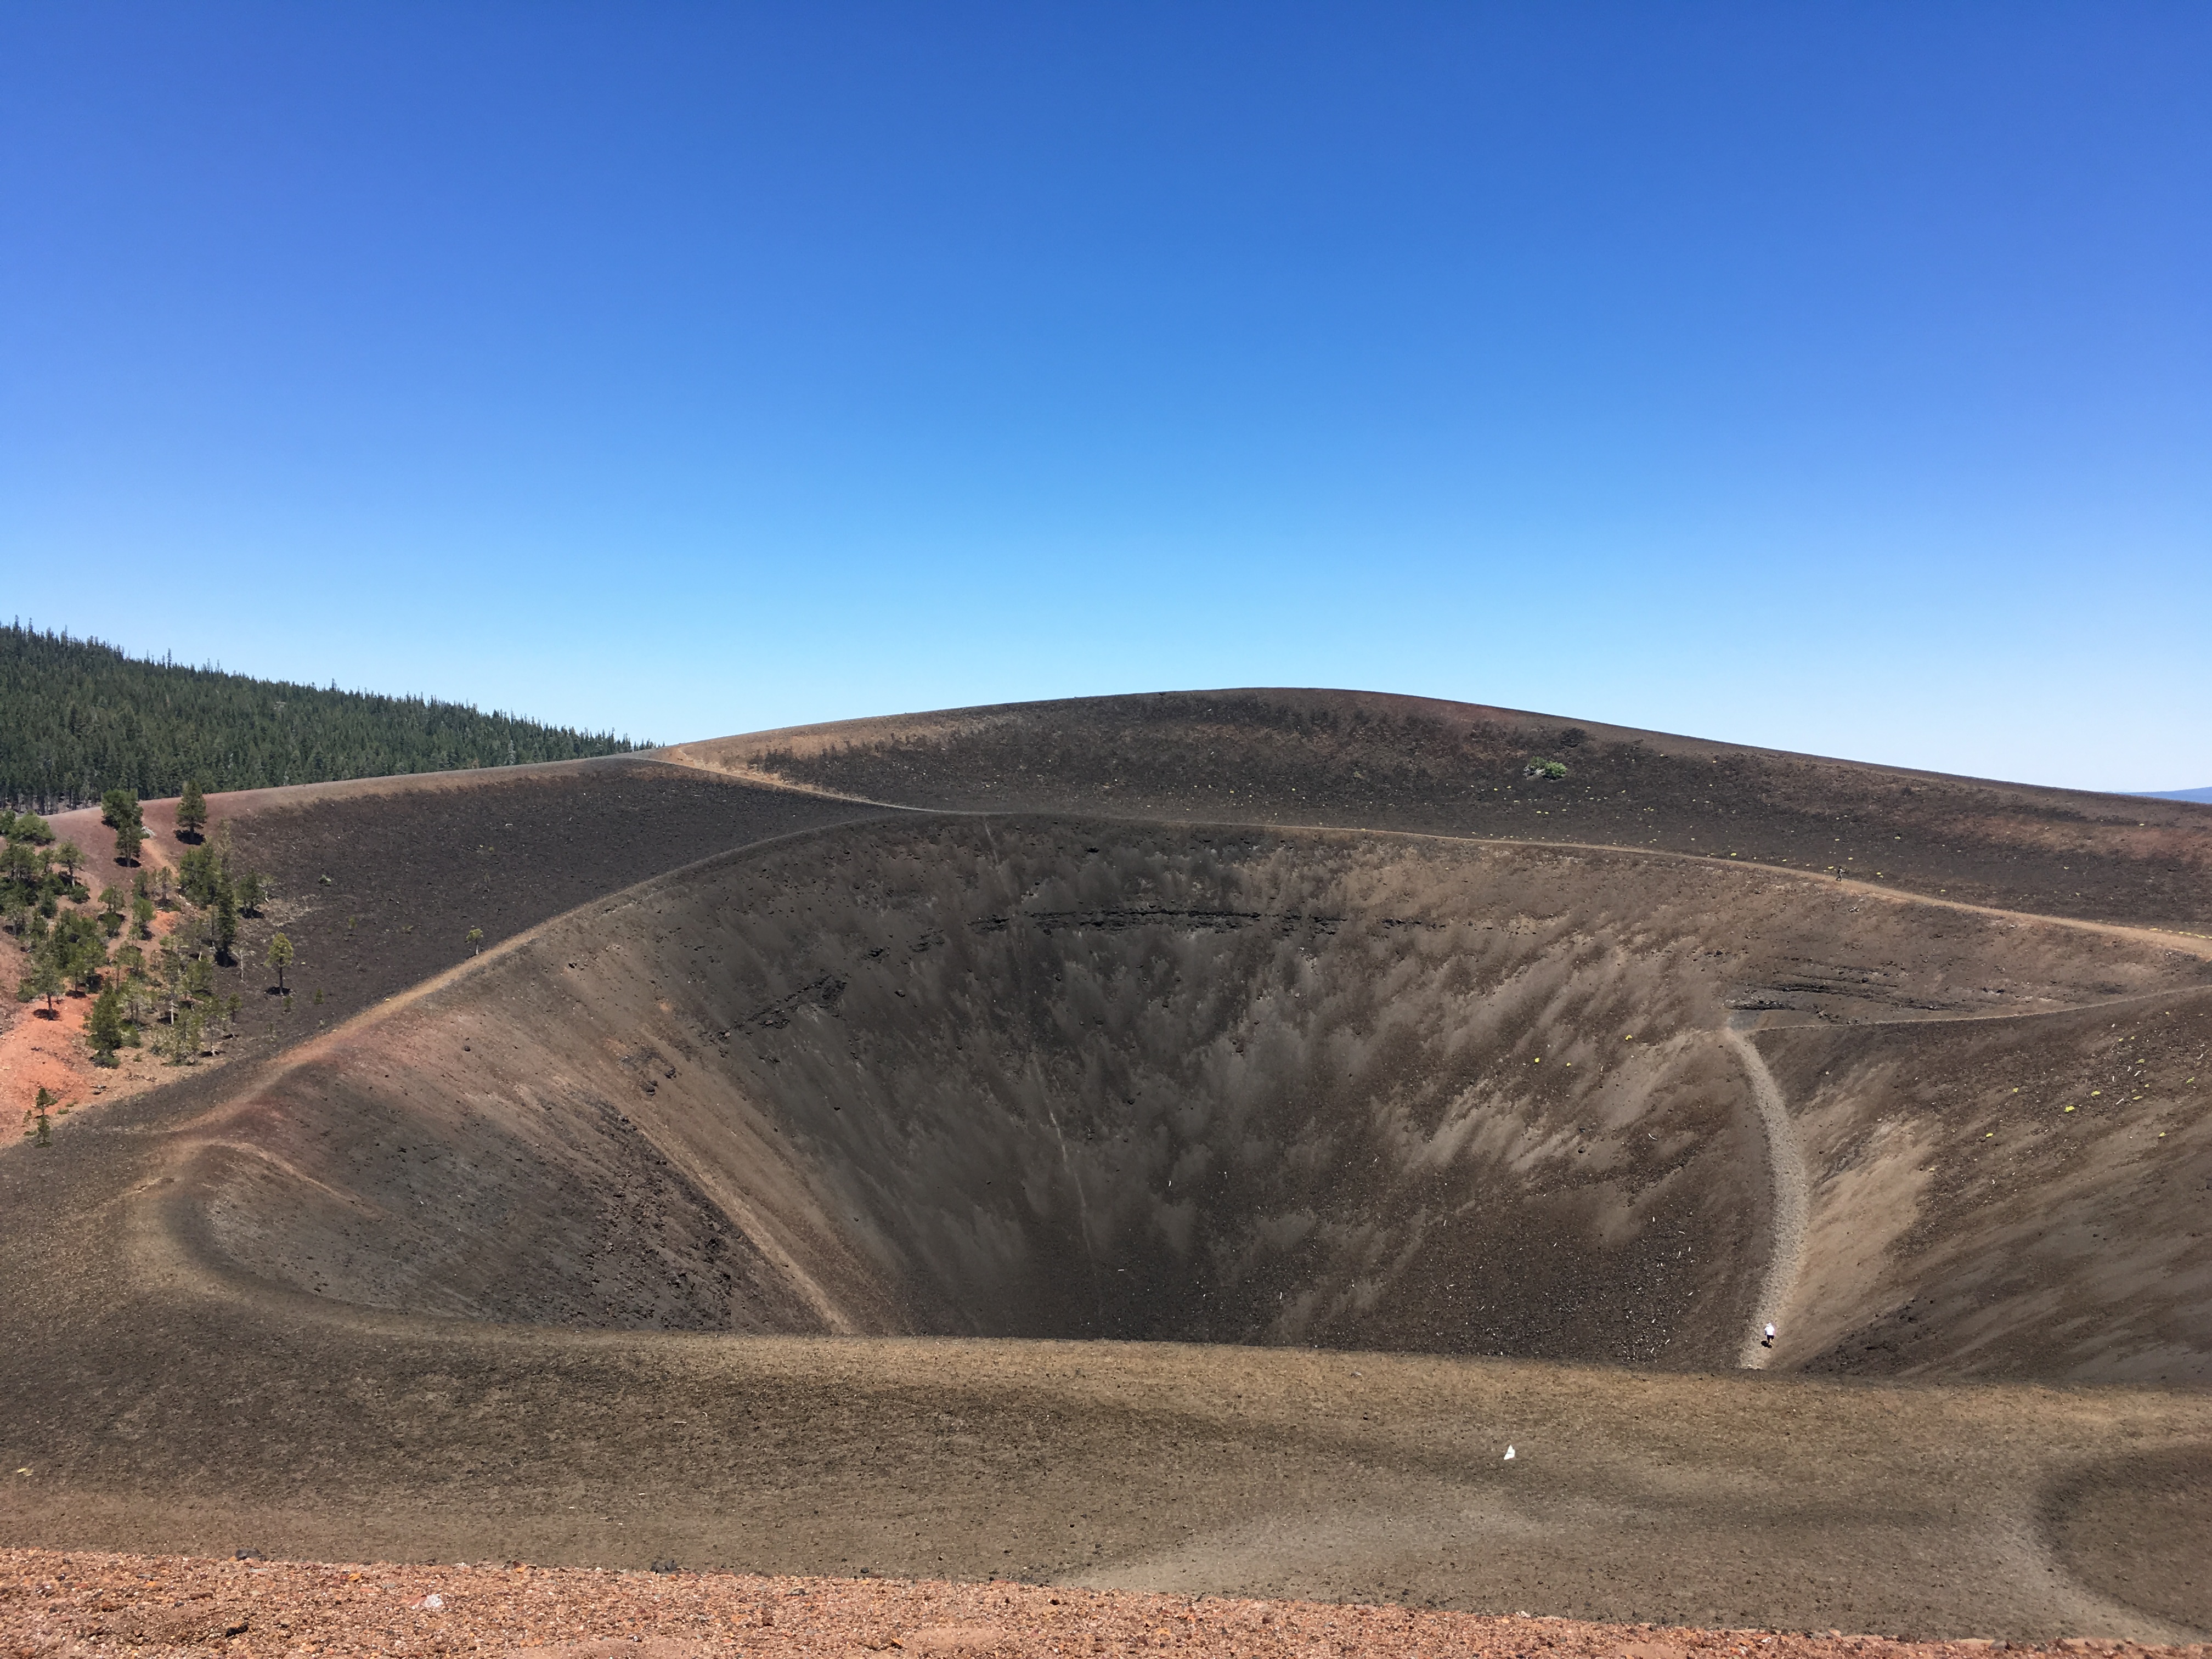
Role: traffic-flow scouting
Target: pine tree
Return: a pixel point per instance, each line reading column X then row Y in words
column 186, row 1035
column 86, row 962
column 19, row 866
column 43, row 978
column 77, row 948
column 170, row 978
column 222, row 928
column 280, row 957
column 200, row 871
column 103, row 1026
column 138, row 1001
column 191, row 810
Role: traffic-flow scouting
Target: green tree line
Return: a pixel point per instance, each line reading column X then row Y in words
column 78, row 718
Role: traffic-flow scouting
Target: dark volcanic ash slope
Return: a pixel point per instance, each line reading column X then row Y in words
column 1038, row 1078
column 380, row 880
column 1349, row 758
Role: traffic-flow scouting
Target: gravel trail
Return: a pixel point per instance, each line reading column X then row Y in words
column 1786, row 1165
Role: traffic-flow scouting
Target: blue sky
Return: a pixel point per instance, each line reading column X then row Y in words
column 1836, row 378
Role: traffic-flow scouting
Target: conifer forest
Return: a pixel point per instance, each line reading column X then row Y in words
column 79, row 718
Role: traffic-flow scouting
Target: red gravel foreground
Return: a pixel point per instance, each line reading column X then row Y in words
column 56, row 1603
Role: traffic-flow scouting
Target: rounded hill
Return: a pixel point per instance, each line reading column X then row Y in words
column 1373, row 761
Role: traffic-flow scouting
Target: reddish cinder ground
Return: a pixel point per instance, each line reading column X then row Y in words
column 45, row 1049
column 56, row 1603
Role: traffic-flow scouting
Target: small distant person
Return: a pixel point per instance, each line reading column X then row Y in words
column 1767, row 1341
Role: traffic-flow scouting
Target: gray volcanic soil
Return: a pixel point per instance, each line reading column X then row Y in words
column 471, row 1272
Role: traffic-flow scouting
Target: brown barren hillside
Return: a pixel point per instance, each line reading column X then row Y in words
column 1178, row 1144
column 1380, row 761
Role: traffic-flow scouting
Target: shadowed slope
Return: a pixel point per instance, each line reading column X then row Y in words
column 1349, row 758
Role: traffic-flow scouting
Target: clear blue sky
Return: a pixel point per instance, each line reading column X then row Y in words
column 1838, row 378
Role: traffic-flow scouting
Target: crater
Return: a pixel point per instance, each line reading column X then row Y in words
column 1042, row 1077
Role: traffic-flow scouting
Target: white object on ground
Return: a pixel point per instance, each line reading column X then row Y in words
column 1509, row 1454
column 431, row 1603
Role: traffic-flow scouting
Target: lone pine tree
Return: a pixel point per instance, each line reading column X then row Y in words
column 191, row 809
column 120, row 810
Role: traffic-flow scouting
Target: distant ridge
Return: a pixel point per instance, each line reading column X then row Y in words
column 1341, row 759
column 78, row 717
column 2203, row 794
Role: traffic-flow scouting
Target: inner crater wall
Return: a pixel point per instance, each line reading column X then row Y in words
column 1042, row 1077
